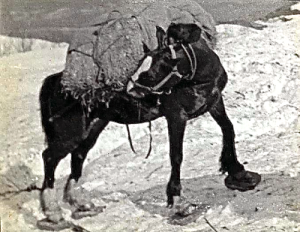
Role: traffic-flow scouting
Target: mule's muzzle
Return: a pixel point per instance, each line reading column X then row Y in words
column 133, row 91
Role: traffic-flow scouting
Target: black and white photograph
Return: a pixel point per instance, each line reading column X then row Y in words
column 150, row 115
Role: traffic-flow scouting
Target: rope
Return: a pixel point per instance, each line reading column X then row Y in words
column 30, row 188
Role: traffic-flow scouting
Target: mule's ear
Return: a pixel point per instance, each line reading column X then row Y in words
column 146, row 48
column 161, row 36
column 195, row 33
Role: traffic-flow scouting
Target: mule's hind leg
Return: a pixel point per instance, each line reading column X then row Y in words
column 78, row 157
column 49, row 201
column 237, row 178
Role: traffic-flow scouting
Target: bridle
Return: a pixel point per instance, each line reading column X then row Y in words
column 193, row 63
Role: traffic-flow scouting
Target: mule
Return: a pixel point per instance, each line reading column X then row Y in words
column 181, row 79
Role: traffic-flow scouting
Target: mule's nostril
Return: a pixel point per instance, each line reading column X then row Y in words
column 135, row 94
column 130, row 86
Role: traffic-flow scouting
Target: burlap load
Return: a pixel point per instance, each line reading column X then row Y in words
column 103, row 57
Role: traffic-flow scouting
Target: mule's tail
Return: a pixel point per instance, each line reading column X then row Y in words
column 47, row 92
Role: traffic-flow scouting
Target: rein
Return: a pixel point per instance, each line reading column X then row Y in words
column 193, row 65
column 131, row 143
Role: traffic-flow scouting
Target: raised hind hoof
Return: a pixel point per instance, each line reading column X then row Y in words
column 243, row 181
column 89, row 211
column 46, row 224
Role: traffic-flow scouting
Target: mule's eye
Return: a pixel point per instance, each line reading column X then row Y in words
column 164, row 68
column 143, row 76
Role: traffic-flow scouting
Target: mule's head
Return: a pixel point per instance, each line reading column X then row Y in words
column 153, row 69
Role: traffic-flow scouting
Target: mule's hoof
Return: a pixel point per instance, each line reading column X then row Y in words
column 46, row 224
column 188, row 213
column 243, row 181
column 174, row 201
column 81, row 213
column 170, row 205
column 187, row 210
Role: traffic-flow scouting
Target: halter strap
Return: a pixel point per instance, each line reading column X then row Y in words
column 173, row 53
column 193, row 63
column 174, row 71
column 168, row 77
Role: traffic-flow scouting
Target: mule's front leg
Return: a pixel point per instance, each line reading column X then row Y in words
column 176, row 128
column 238, row 178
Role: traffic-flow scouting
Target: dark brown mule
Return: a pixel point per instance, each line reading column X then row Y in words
column 195, row 79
